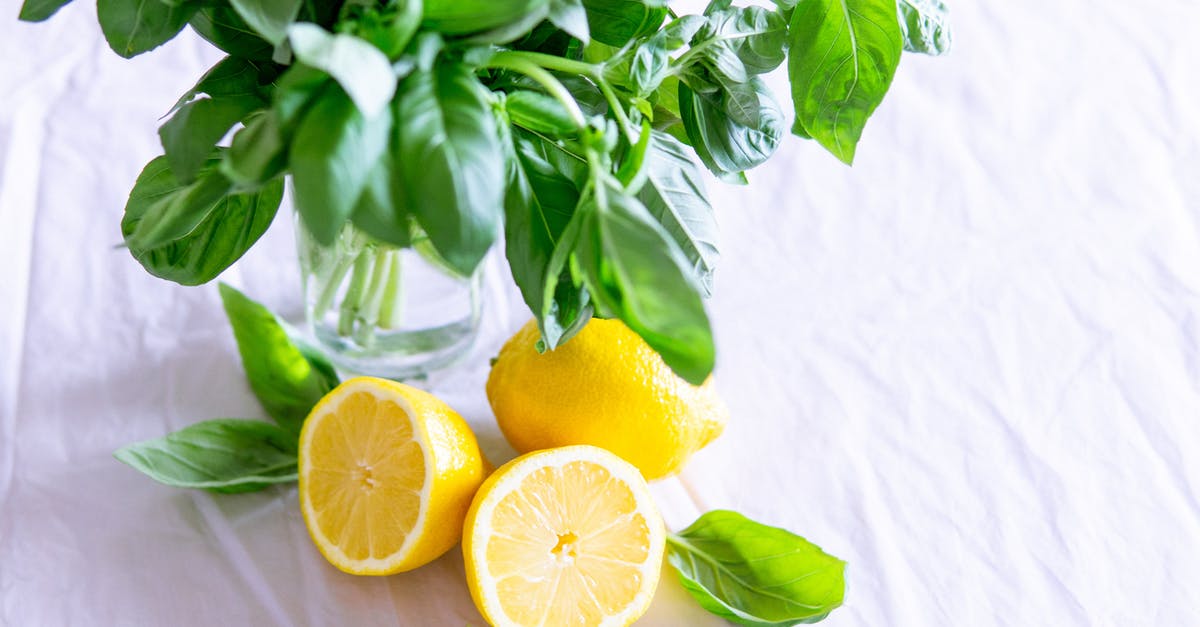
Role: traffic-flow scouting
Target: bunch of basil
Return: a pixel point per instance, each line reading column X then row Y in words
column 569, row 124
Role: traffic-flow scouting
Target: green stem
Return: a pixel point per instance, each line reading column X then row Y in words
column 368, row 315
column 329, row 287
column 551, row 62
column 352, row 301
column 522, row 63
column 618, row 111
column 393, row 294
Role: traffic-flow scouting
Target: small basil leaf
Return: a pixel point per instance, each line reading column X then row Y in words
column 256, row 154
column 287, row 376
column 925, row 26
column 232, row 224
column 570, row 16
column 136, row 26
column 268, row 18
column 617, row 22
column 40, row 10
column 390, row 29
column 452, row 161
column 755, row 574
column 224, row 28
column 461, row 17
column 713, row 124
column 224, row 455
column 755, row 35
column 636, row 272
column 360, row 68
column 539, row 113
column 331, row 157
column 189, row 136
column 674, row 194
column 841, row 59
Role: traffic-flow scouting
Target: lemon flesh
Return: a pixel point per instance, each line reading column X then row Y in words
column 567, row 536
column 387, row 473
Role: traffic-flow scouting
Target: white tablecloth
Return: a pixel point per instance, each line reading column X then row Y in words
column 970, row 365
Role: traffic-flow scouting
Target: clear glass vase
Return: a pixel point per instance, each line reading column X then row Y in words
column 386, row 311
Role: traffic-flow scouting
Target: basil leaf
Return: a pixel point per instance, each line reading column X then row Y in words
column 359, row 67
column 755, row 36
column 925, row 26
column 232, row 77
column 570, row 16
column 331, row 157
column 132, row 27
column 268, row 18
column 674, row 194
column 461, row 17
column 715, row 126
column 539, row 113
column 286, row 375
column 227, row 228
column 40, row 10
column 841, row 59
column 382, row 210
column 636, row 272
column 452, row 162
column 390, row 28
column 223, row 455
column 188, row 138
column 538, row 207
column 755, row 574
column 224, row 28
column 256, row 154
column 617, row 22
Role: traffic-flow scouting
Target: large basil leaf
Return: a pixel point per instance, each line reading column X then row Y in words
column 382, row 210
column 136, row 26
column 617, row 22
column 232, row 77
column 715, row 125
column 452, row 161
column 674, row 194
column 268, row 18
column 224, row 28
column 224, row 455
column 287, row 375
column 224, row 227
column 925, row 26
column 755, row 574
column 636, row 272
column 461, row 17
column 841, row 59
column 331, row 158
column 189, row 136
column 359, row 67
column 40, row 10
column 741, row 42
column 539, row 204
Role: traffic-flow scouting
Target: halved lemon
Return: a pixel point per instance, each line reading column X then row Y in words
column 387, row 473
column 566, row 536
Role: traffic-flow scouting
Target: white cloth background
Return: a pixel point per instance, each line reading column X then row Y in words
column 969, row 365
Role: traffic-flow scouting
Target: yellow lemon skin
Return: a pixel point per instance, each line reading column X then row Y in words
column 605, row 387
column 602, row 502
column 448, row 465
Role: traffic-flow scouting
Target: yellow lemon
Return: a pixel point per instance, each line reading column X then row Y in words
column 387, row 473
column 567, row 536
column 605, row 387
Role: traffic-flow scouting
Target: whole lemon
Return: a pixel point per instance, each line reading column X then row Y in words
column 605, row 387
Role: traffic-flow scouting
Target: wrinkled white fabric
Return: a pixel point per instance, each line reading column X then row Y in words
column 968, row 365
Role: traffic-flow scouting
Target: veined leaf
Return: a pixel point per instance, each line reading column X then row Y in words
column 269, row 18
column 136, row 26
column 359, row 67
column 842, row 56
column 616, row 22
column 40, row 10
column 570, row 16
column 224, row 28
column 713, row 122
column 188, row 138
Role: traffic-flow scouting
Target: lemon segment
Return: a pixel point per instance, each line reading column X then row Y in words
column 568, row 536
column 386, row 473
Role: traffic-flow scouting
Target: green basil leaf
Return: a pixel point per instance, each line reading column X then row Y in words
column 256, row 154
column 755, row 35
column 232, row 77
column 452, row 161
column 224, row 28
column 227, row 228
column 674, row 194
column 359, row 67
column 841, row 59
column 390, row 28
column 925, row 26
column 636, row 272
column 617, row 22
column 286, row 375
column 462, row 17
column 224, row 455
column 188, row 138
column 538, row 207
column 539, row 113
column 713, row 123
column 382, row 209
column 175, row 216
column 269, row 18
column 40, row 10
column 570, row 16
column 331, row 157
column 136, row 26
column 755, row 574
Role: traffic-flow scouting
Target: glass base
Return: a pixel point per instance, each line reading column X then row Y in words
column 399, row 355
